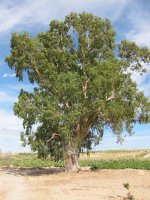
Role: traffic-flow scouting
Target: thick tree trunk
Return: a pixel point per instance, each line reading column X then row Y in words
column 72, row 150
column 72, row 158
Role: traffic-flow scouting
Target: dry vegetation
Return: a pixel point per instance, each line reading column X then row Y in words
column 117, row 154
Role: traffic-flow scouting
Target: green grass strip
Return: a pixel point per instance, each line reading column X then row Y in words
column 117, row 164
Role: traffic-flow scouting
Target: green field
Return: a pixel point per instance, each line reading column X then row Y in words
column 135, row 159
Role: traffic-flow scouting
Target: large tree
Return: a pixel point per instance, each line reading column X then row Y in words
column 83, row 85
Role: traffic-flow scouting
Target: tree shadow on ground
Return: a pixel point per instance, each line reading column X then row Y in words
column 31, row 171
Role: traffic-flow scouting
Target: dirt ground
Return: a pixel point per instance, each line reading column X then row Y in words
column 51, row 184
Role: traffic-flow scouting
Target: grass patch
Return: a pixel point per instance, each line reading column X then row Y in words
column 117, row 164
column 31, row 160
column 27, row 160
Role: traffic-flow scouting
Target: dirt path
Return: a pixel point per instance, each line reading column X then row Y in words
column 44, row 184
column 15, row 188
column 12, row 186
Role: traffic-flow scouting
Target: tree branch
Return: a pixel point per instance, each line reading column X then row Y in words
column 53, row 136
column 89, row 121
column 85, row 86
column 111, row 97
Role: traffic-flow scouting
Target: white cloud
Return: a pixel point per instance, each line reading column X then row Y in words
column 141, row 37
column 37, row 11
column 6, row 98
column 10, row 141
column 146, row 88
column 9, row 121
column 139, row 32
column 139, row 19
column 143, row 81
column 140, row 140
column 8, row 75
column 10, row 128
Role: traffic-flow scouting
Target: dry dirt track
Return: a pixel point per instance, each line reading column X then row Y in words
column 23, row 184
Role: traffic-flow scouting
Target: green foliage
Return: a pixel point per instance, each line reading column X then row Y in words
column 27, row 160
column 82, row 86
column 117, row 164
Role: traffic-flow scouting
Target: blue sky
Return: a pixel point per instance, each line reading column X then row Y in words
column 130, row 18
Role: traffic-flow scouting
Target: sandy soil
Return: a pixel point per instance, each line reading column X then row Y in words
column 51, row 184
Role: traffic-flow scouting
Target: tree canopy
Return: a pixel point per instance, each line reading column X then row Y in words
column 83, row 86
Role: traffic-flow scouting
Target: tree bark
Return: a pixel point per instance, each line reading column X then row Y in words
column 72, row 149
column 72, row 157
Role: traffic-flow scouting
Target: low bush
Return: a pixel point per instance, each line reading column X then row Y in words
column 117, row 164
column 31, row 160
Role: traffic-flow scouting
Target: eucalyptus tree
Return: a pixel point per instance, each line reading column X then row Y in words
column 83, row 85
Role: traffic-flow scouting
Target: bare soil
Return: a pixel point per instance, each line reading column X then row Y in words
column 53, row 184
